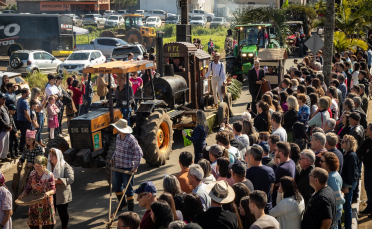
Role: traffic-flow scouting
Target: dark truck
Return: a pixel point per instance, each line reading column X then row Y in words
column 52, row 33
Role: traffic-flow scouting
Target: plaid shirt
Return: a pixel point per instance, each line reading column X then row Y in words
column 128, row 153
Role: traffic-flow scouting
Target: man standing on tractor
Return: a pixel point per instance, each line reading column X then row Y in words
column 218, row 79
column 256, row 76
column 127, row 156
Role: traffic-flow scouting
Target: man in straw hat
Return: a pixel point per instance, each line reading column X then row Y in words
column 215, row 217
column 127, row 156
column 217, row 69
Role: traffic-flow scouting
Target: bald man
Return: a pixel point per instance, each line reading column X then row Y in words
column 255, row 77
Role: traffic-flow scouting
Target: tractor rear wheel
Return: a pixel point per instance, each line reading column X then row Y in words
column 156, row 138
column 223, row 112
column 110, row 152
column 58, row 143
column 133, row 35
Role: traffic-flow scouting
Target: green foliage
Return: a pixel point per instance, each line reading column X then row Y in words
column 124, row 4
column 11, row 7
column 169, row 30
column 37, row 80
column 341, row 42
column 219, row 42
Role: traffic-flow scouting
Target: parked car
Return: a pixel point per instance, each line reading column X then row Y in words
column 218, row 21
column 153, row 21
column 114, row 21
column 174, row 19
column 9, row 12
column 77, row 61
column 159, row 13
column 94, row 19
column 320, row 31
column 103, row 44
column 108, row 13
column 32, row 61
column 122, row 12
column 77, row 21
column 198, row 21
column 208, row 16
column 121, row 53
column 143, row 12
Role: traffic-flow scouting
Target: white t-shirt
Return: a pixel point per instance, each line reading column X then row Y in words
column 355, row 79
column 51, row 90
column 281, row 133
column 334, row 107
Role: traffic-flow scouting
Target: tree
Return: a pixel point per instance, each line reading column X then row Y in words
column 11, row 7
column 124, row 4
column 328, row 39
column 341, row 43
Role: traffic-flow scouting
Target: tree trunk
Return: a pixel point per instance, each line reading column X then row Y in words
column 328, row 39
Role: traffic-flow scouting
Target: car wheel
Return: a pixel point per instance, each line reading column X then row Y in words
column 34, row 71
column 209, row 19
column 15, row 62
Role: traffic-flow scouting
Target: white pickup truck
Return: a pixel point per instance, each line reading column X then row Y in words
column 208, row 16
column 103, row 44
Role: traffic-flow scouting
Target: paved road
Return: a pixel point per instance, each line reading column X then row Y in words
column 90, row 189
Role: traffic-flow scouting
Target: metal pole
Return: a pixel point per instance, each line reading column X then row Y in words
column 127, row 87
column 111, row 106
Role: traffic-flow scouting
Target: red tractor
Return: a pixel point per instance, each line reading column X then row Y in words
column 292, row 42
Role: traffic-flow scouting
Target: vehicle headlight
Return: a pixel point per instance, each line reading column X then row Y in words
column 250, row 54
column 81, row 66
column 244, row 55
column 124, row 103
column 74, row 130
column 84, row 130
column 291, row 41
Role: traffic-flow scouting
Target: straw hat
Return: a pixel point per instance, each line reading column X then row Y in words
column 220, row 191
column 122, row 126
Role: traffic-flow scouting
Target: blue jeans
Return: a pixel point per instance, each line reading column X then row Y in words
column 120, row 181
column 124, row 112
column 347, row 205
column 40, row 121
column 338, row 218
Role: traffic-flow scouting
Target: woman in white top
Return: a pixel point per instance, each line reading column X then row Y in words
column 354, row 75
column 207, row 169
column 321, row 114
column 290, row 205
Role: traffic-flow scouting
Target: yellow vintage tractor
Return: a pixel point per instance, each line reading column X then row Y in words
column 134, row 31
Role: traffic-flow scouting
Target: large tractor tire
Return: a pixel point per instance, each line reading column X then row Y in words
column 149, row 42
column 156, row 138
column 222, row 113
column 107, row 33
column 58, row 143
column 133, row 35
column 110, row 152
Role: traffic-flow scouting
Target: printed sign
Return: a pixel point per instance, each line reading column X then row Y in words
column 66, row 26
column 96, row 140
column 54, row 6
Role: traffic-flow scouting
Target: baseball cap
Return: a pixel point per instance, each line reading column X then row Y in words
column 265, row 146
column 2, row 95
column 146, row 186
column 12, row 107
column 238, row 167
column 355, row 116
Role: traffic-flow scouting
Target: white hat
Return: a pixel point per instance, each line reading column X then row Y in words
column 122, row 126
column 220, row 191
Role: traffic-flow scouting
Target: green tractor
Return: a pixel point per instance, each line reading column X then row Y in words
column 251, row 38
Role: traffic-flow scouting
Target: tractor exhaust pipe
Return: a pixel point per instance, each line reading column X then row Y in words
column 159, row 53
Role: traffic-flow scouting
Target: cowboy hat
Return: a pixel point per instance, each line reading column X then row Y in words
column 220, row 191
column 122, row 126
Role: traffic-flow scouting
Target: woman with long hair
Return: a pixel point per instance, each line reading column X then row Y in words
column 167, row 197
column 290, row 204
column 241, row 190
column 355, row 74
column 329, row 162
column 192, row 206
column 249, row 130
column 267, row 99
column 277, row 106
column 300, row 136
column 199, row 135
column 35, row 95
column 295, row 155
column 172, row 186
column 304, row 110
column 245, row 212
column 231, row 207
column 290, row 117
column 350, row 175
column 322, row 115
column 344, row 126
column 207, row 169
column 318, row 88
column 262, row 121
column 161, row 214
column 283, row 100
column 223, row 169
column 306, row 61
column 4, row 82
column 314, row 104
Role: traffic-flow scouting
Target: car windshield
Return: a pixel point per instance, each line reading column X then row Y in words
column 89, row 16
column 79, row 56
column 197, row 18
column 172, row 18
column 113, row 18
column 21, row 56
column 249, row 36
column 124, row 51
column 151, row 19
column 217, row 19
column 133, row 21
column 108, row 11
column 120, row 41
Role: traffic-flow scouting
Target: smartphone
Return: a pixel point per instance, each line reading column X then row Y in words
column 248, row 106
column 225, row 120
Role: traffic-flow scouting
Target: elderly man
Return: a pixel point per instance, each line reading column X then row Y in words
column 256, row 76
column 307, row 160
column 217, row 69
column 318, row 141
column 321, row 210
column 215, row 217
column 329, row 126
column 195, row 177
column 332, row 140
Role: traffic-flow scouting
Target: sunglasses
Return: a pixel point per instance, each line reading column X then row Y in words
column 139, row 196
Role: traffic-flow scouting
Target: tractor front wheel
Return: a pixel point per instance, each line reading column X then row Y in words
column 57, row 143
column 156, row 138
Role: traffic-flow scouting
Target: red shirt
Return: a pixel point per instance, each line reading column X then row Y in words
column 146, row 222
column 77, row 96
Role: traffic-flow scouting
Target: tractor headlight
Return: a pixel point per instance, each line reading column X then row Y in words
column 244, row 55
column 74, row 130
column 250, row 54
column 291, row 41
column 85, row 130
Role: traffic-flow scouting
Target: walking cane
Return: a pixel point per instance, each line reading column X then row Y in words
column 259, row 90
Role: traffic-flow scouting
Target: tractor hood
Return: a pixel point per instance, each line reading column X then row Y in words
column 249, row 49
column 291, row 37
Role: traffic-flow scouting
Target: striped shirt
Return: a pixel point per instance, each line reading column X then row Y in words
column 128, row 153
column 335, row 183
